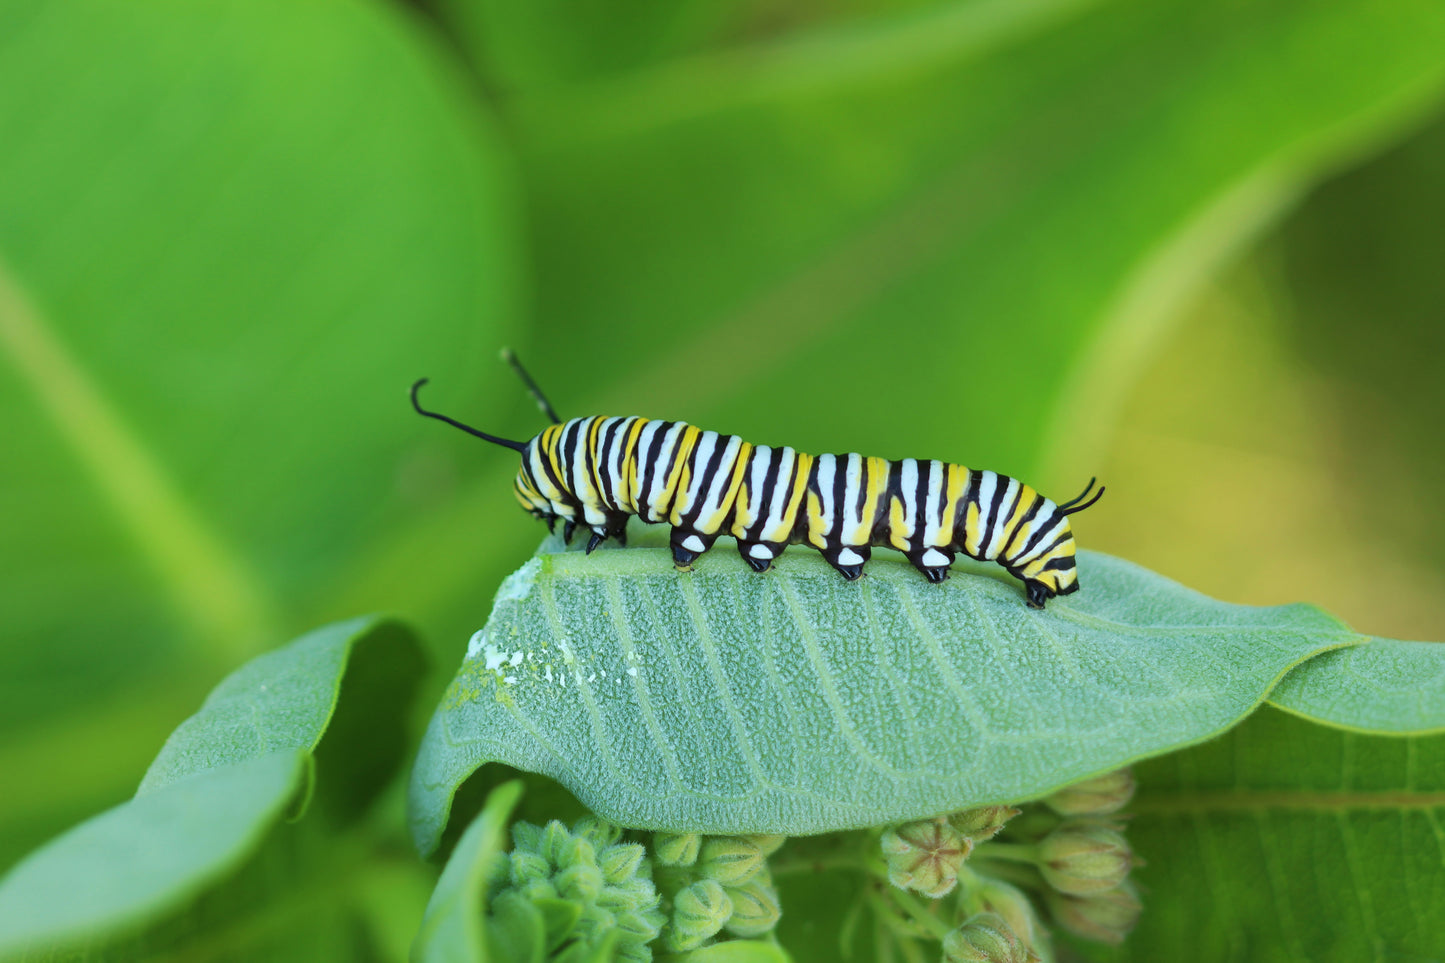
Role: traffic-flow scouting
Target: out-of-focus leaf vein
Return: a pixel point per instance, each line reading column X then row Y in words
column 204, row 576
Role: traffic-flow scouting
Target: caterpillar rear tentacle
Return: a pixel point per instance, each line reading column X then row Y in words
column 596, row 472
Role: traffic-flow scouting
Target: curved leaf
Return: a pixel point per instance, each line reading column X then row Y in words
column 1290, row 841
column 195, row 849
column 288, row 699
column 451, row 932
column 793, row 702
column 1386, row 686
column 143, row 858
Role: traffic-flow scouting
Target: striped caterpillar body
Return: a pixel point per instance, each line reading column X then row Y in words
column 597, row 471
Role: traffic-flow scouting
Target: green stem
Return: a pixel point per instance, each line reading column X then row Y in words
column 1016, row 873
column 919, row 914
column 1013, row 852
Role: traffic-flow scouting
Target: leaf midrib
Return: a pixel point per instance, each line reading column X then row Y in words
column 208, row 582
column 1262, row 801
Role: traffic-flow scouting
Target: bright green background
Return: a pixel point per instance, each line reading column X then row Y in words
column 1192, row 248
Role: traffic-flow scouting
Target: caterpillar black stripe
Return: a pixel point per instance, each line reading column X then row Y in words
column 597, row 471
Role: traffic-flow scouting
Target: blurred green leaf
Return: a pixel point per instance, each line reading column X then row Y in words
column 1385, row 686
column 1003, row 201
column 1287, row 840
column 141, row 860
column 452, row 930
column 737, row 951
column 231, row 234
column 795, row 702
column 198, row 847
column 1008, row 214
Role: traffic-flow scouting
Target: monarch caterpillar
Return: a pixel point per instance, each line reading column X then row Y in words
column 597, row 471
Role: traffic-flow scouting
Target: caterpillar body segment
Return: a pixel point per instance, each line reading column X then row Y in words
column 595, row 472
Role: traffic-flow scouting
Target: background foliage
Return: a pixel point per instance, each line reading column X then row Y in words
column 1189, row 247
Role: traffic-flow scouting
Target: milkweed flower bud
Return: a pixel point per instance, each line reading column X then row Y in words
column 984, row 938
column 528, row 866
column 676, row 849
column 925, row 856
column 1081, row 858
column 1107, row 917
column 756, row 909
column 731, row 860
column 1012, row 905
column 699, row 911
column 1094, row 797
column 597, row 831
column 553, row 844
column 767, row 844
column 983, row 823
column 580, row 881
column 621, row 861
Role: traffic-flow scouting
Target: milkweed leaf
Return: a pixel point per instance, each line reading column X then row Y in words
column 1385, row 686
column 1286, row 840
column 794, row 702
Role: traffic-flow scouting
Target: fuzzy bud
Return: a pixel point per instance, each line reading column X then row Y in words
column 1094, row 797
column 641, row 926
column 676, row 849
column 1106, row 917
column 621, row 861
column 925, row 856
column 699, row 911
column 984, row 938
column 983, row 823
column 527, row 866
column 756, row 909
column 580, row 881
column 767, row 844
column 553, row 844
column 1012, row 905
column 731, row 860
column 599, row 832
column 1081, row 858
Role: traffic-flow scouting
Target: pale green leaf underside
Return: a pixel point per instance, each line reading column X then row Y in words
column 1385, row 686
column 141, row 859
column 794, row 702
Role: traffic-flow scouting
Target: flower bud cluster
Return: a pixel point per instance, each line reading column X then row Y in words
column 715, row 885
column 588, row 884
column 1085, row 860
column 1070, row 852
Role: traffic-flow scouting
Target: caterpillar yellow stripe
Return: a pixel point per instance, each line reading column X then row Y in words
column 596, row 472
